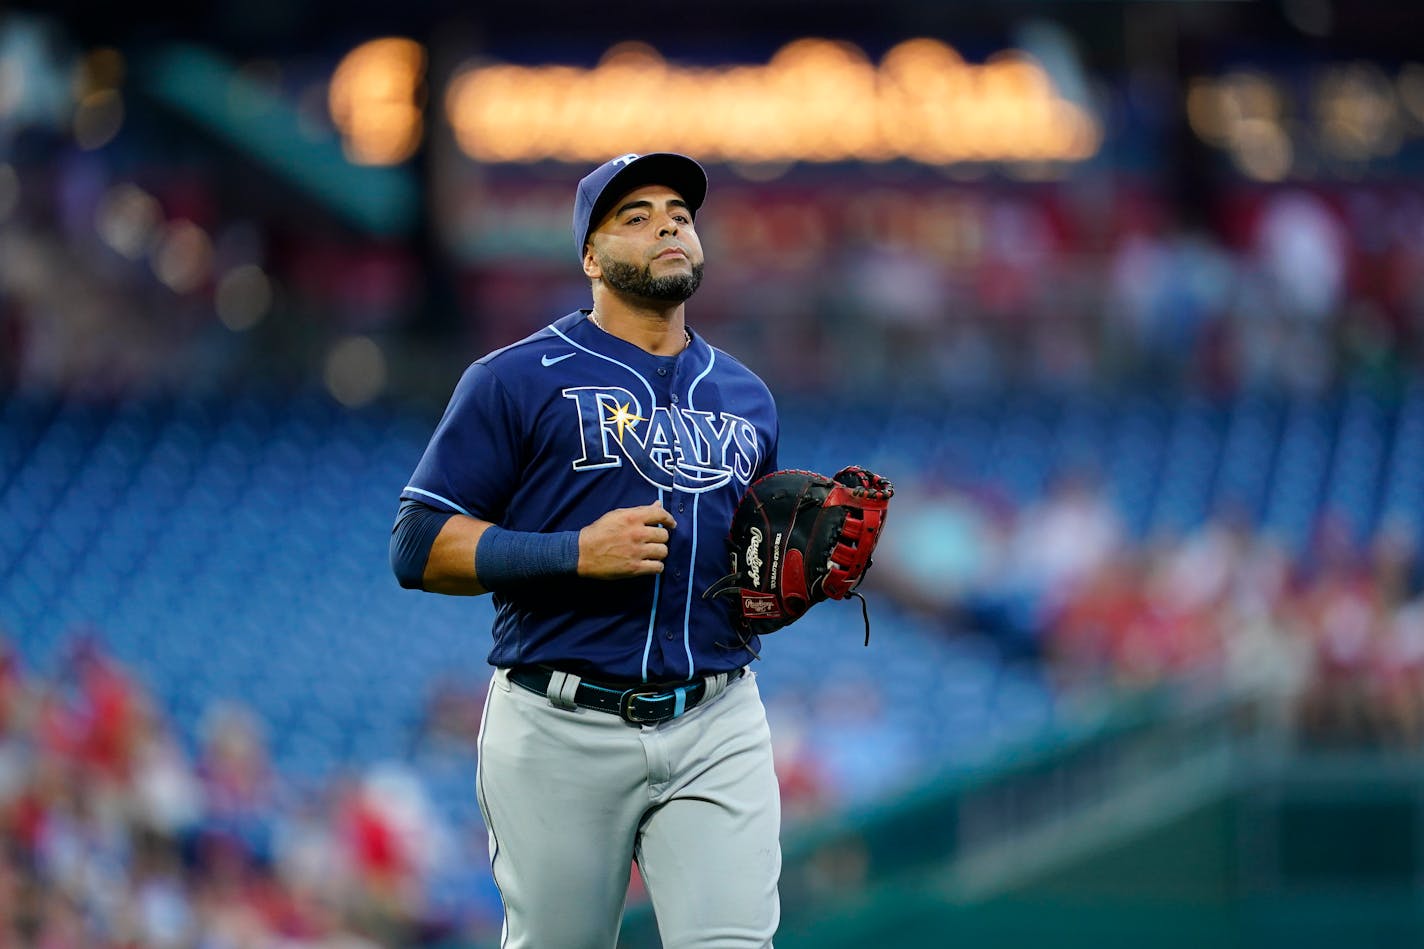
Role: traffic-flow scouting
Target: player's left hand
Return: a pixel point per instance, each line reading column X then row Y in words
column 799, row 538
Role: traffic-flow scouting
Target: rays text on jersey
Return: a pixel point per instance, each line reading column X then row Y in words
column 673, row 448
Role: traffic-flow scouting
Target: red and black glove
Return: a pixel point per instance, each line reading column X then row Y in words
column 798, row 538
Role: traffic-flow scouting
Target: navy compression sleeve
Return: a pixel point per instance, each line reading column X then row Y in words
column 414, row 533
column 505, row 558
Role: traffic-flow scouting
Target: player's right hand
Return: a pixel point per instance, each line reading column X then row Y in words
column 626, row 542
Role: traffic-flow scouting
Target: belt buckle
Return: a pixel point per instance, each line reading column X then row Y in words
column 625, row 706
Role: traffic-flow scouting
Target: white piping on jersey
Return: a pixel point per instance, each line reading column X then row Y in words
column 652, row 403
column 653, row 613
column 652, row 397
column 711, row 358
column 692, row 562
column 432, row 494
column 687, row 609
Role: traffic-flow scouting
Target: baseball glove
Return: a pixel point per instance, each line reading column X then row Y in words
column 798, row 538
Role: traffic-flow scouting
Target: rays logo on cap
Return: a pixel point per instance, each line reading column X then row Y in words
column 598, row 189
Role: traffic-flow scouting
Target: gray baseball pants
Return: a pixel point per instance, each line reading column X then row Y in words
column 572, row 797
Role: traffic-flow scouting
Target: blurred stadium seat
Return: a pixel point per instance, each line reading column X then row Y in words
column 1156, row 410
column 234, row 548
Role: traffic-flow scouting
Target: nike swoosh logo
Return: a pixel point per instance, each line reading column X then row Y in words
column 550, row 360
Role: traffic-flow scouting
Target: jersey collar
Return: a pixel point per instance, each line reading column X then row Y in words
column 599, row 341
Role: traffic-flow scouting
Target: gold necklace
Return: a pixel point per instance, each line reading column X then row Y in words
column 686, row 333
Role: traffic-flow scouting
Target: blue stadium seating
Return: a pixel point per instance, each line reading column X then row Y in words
column 236, row 548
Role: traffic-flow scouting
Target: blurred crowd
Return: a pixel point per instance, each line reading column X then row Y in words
column 1333, row 637
column 1081, row 285
column 113, row 835
column 123, row 275
column 155, row 262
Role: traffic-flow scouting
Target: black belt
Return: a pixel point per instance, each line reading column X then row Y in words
column 646, row 704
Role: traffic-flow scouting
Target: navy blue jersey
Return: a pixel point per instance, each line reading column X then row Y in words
column 558, row 429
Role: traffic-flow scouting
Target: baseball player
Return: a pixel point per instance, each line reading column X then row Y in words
column 586, row 476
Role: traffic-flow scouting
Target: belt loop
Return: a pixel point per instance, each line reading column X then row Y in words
column 562, row 688
column 712, row 687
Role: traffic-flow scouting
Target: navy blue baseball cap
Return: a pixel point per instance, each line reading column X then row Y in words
column 613, row 179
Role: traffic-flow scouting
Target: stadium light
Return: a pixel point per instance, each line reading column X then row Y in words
column 815, row 100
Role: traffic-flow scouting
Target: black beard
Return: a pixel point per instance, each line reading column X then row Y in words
column 640, row 282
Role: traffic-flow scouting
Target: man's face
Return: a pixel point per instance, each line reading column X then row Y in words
column 647, row 247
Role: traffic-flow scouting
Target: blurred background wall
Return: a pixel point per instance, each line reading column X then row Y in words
column 1126, row 297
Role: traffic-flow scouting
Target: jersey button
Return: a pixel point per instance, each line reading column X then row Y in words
column 668, row 634
column 674, row 399
column 662, row 370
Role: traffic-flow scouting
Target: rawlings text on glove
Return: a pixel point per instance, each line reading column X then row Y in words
column 798, row 538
